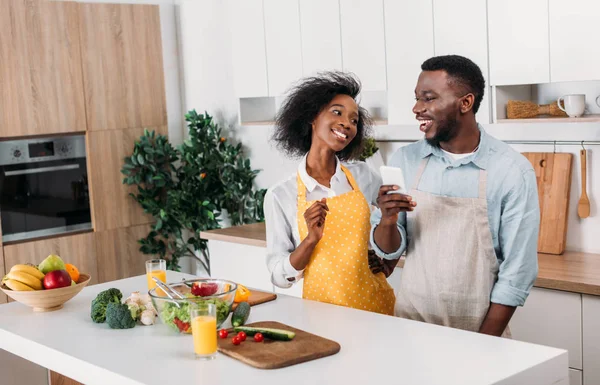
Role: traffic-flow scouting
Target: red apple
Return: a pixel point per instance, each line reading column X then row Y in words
column 57, row 279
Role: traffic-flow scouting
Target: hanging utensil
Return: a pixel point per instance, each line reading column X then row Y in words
column 583, row 207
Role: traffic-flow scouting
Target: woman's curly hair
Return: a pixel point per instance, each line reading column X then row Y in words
column 305, row 100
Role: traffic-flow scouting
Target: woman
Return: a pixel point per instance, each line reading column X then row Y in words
column 318, row 220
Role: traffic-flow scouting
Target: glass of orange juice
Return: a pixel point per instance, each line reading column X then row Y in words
column 203, row 318
column 156, row 268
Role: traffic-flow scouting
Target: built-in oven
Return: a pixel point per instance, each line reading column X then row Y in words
column 43, row 187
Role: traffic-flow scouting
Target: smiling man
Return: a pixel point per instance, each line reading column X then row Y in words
column 470, row 222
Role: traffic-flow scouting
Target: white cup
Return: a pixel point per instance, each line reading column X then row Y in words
column 574, row 105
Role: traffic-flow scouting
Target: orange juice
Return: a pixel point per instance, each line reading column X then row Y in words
column 161, row 275
column 204, row 331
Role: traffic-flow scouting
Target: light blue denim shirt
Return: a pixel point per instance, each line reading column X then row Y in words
column 512, row 198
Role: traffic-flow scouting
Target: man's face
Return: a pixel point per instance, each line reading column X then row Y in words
column 437, row 106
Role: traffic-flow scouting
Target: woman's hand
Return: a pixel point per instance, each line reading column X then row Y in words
column 378, row 265
column 315, row 220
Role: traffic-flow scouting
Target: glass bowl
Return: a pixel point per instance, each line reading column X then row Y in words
column 220, row 292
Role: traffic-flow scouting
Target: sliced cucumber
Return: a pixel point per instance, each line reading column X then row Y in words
column 273, row 334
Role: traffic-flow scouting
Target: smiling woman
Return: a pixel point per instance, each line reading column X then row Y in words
column 317, row 221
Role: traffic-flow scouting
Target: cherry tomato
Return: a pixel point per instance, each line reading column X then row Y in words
column 242, row 336
column 223, row 333
column 236, row 340
column 258, row 337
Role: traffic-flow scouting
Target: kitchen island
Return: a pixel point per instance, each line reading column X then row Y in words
column 374, row 348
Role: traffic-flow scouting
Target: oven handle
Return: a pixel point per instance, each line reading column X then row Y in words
column 41, row 169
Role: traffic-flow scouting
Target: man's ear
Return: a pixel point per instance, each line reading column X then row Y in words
column 466, row 103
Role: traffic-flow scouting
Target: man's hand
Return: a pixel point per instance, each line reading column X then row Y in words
column 392, row 204
column 315, row 220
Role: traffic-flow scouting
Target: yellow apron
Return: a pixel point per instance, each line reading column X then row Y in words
column 338, row 271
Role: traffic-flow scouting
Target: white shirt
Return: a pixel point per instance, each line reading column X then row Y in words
column 454, row 156
column 281, row 206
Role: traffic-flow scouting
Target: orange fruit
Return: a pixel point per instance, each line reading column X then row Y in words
column 73, row 272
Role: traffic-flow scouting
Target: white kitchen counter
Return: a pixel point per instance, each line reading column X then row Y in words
column 375, row 348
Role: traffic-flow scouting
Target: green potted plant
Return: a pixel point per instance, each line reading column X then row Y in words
column 186, row 188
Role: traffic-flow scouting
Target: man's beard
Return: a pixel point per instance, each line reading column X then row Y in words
column 446, row 132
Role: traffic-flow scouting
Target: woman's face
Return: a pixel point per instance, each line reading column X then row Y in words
column 336, row 124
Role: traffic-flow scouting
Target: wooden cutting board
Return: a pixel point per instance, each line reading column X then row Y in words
column 553, row 174
column 257, row 297
column 271, row 354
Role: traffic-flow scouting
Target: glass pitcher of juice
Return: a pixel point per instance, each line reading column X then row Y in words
column 156, row 268
column 203, row 318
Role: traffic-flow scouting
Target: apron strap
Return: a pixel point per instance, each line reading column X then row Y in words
column 350, row 178
column 420, row 171
column 482, row 184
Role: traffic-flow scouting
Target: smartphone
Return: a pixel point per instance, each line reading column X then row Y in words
column 393, row 176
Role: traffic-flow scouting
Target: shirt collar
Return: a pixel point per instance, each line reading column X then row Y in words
column 310, row 182
column 479, row 159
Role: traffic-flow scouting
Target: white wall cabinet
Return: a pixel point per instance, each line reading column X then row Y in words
column 248, row 52
column 321, row 40
column 575, row 377
column 591, row 340
column 450, row 39
column 518, row 42
column 574, row 40
column 363, row 47
column 551, row 318
column 284, row 51
column 409, row 42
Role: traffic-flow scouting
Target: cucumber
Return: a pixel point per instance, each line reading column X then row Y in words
column 273, row 334
column 240, row 314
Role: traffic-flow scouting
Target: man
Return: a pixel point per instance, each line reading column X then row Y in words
column 470, row 222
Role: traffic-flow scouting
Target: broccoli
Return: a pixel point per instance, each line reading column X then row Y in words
column 118, row 316
column 100, row 303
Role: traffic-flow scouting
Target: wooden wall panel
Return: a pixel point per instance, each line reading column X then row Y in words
column 122, row 66
column 112, row 207
column 41, row 82
column 118, row 253
column 78, row 250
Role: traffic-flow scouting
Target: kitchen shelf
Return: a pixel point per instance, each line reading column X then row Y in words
column 376, row 122
column 550, row 119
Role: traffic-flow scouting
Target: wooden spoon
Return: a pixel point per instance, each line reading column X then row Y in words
column 583, row 208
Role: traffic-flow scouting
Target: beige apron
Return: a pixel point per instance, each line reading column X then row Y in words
column 338, row 271
column 451, row 266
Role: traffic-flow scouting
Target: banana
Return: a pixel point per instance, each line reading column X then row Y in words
column 17, row 286
column 29, row 269
column 26, row 279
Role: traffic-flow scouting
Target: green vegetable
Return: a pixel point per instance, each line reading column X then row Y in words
column 170, row 312
column 240, row 314
column 274, row 334
column 118, row 316
column 100, row 303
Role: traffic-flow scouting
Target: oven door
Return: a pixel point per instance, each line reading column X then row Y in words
column 39, row 199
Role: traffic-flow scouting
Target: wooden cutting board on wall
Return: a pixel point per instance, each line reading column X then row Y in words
column 553, row 174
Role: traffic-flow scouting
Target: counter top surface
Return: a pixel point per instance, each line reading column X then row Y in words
column 380, row 348
column 572, row 271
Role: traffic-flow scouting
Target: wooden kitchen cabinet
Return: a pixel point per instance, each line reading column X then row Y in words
column 404, row 21
column 111, row 205
column 320, row 27
column 246, row 20
column 591, row 340
column 284, row 51
column 551, row 318
column 78, row 249
column 450, row 40
column 518, row 42
column 574, row 40
column 41, row 88
column 122, row 66
column 59, row 379
column 363, row 42
column 118, row 253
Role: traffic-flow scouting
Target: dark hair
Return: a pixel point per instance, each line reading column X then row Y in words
column 462, row 71
column 305, row 100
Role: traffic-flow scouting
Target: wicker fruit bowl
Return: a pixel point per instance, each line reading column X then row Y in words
column 47, row 300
